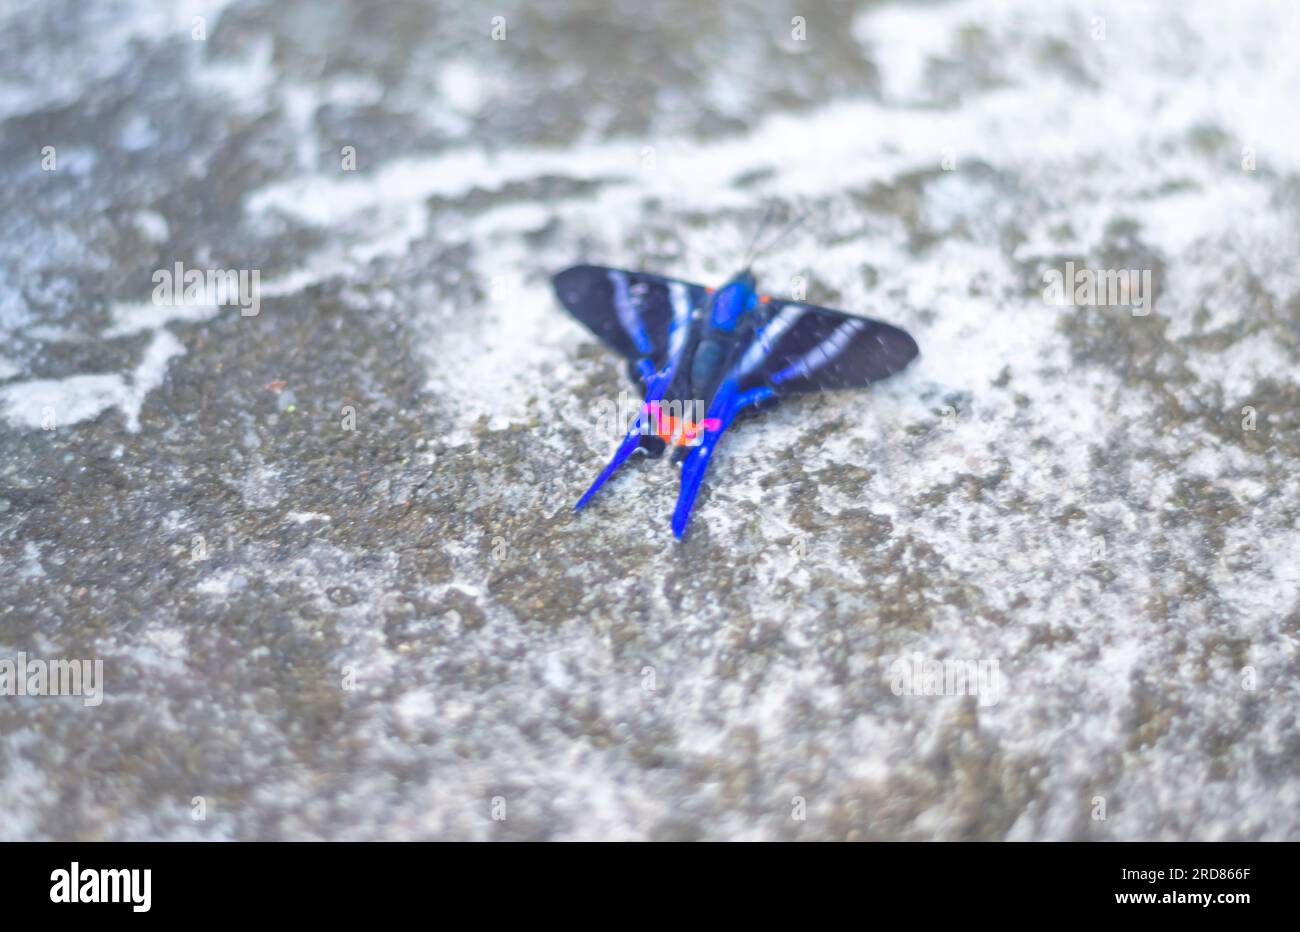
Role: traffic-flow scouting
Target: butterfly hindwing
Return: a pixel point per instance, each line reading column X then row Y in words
column 634, row 313
column 805, row 348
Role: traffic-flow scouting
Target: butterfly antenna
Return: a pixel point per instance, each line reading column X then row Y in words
column 790, row 228
column 749, row 253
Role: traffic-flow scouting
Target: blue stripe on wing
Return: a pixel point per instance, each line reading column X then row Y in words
column 806, row 348
column 646, row 318
column 636, row 314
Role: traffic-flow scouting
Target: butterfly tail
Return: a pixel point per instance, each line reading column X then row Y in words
column 658, row 384
column 696, row 464
column 630, row 443
column 693, row 469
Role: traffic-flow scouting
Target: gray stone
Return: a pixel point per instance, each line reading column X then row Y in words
column 358, row 604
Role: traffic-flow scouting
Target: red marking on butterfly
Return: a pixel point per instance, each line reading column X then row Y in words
column 677, row 430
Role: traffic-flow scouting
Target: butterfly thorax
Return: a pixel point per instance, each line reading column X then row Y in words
column 732, row 301
column 721, row 334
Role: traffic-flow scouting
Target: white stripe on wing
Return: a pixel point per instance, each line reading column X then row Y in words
column 823, row 352
column 767, row 337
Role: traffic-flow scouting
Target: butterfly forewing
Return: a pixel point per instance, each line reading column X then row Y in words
column 636, row 314
column 805, row 348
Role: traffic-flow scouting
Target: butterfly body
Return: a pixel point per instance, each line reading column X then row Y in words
column 728, row 350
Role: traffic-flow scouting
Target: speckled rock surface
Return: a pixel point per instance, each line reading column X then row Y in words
column 327, row 556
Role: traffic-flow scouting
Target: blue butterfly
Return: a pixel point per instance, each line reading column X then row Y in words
column 730, row 347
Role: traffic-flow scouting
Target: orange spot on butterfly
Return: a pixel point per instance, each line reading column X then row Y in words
column 677, row 430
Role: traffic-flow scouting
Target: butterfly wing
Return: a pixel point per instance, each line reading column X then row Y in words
column 638, row 315
column 797, row 348
column 646, row 319
column 803, row 348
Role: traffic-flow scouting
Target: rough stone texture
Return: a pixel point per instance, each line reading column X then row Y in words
column 1067, row 492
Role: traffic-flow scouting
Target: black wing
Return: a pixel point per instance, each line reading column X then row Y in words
column 634, row 313
column 805, row 348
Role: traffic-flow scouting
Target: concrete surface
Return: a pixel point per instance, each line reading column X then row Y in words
column 326, row 553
